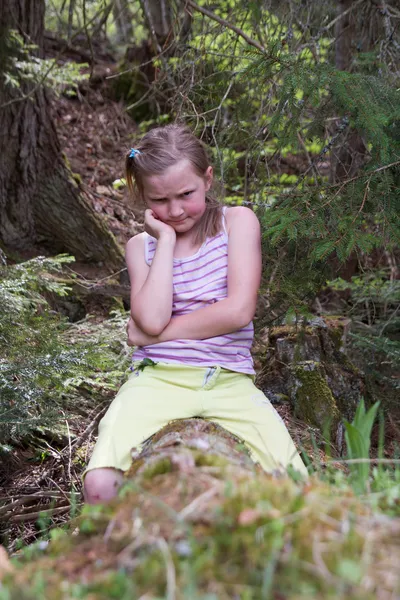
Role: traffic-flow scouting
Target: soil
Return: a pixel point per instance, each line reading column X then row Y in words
column 95, row 134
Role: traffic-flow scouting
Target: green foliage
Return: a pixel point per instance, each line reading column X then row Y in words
column 34, row 361
column 25, row 67
column 358, row 440
column 373, row 307
column 263, row 111
column 45, row 361
column 107, row 351
column 146, row 362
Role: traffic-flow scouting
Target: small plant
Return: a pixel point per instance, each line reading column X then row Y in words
column 358, row 440
column 35, row 360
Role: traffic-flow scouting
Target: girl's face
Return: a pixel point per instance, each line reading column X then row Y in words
column 178, row 195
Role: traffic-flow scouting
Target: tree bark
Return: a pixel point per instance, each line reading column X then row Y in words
column 351, row 155
column 123, row 21
column 345, row 31
column 159, row 20
column 40, row 202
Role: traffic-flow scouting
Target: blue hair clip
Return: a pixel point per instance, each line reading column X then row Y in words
column 134, row 152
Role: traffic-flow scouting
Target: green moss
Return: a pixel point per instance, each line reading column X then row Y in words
column 94, row 518
column 182, row 424
column 159, row 467
column 66, row 161
column 117, row 585
column 314, row 402
column 173, row 426
column 266, row 532
column 136, row 465
column 77, row 178
column 210, row 460
column 290, row 331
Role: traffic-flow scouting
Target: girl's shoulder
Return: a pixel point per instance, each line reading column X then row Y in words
column 239, row 216
column 135, row 242
column 135, row 248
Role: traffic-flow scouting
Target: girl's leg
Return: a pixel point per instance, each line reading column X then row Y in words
column 234, row 402
column 101, row 485
column 144, row 404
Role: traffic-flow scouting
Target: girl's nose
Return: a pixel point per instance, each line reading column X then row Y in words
column 175, row 209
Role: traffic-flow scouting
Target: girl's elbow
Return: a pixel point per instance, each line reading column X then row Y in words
column 151, row 327
column 245, row 315
column 154, row 328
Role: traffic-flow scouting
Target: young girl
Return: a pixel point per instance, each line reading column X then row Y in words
column 195, row 273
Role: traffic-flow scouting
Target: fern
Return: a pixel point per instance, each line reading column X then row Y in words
column 34, row 360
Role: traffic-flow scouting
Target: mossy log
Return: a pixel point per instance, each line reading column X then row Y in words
column 187, row 444
column 196, row 519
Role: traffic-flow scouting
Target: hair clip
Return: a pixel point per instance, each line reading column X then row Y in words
column 134, row 152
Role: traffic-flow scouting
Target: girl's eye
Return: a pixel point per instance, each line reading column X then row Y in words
column 188, row 193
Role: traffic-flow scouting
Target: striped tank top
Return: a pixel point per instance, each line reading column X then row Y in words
column 200, row 280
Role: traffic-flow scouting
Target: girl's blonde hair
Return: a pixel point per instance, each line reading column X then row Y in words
column 162, row 148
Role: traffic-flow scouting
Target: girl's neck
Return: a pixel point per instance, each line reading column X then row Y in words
column 186, row 245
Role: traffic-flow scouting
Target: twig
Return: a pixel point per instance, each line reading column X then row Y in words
column 70, row 19
column 363, row 201
column 78, row 441
column 190, row 508
column 89, row 39
column 389, row 30
column 211, row 15
column 36, row 515
column 28, row 499
column 342, row 14
column 169, row 563
column 70, row 450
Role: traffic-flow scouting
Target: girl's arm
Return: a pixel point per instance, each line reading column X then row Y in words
column 244, row 274
column 151, row 287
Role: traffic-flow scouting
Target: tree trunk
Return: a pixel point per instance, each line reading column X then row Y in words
column 350, row 156
column 40, row 203
column 159, row 20
column 345, row 31
column 123, row 21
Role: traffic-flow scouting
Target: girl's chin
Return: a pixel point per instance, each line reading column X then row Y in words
column 178, row 223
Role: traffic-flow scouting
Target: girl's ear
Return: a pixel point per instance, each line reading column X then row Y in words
column 208, row 176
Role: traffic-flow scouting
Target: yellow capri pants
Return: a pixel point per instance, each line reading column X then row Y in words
column 158, row 394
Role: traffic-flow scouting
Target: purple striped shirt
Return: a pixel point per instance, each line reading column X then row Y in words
column 198, row 281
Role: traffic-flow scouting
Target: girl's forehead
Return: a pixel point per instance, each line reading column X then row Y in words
column 178, row 175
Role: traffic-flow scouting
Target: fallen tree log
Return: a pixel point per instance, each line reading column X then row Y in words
column 197, row 520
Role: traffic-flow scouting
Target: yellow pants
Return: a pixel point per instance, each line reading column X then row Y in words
column 158, row 394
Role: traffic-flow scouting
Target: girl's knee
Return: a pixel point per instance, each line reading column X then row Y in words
column 101, row 485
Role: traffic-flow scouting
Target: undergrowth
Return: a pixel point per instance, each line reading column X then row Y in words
column 44, row 361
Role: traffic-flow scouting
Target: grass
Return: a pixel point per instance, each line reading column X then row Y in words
column 244, row 536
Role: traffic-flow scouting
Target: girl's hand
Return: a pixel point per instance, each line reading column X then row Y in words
column 156, row 228
column 137, row 337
